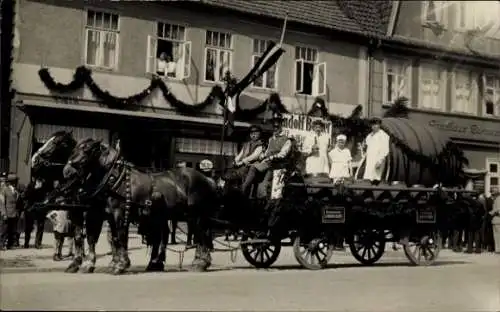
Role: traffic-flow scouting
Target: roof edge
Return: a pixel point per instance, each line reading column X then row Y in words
column 393, row 18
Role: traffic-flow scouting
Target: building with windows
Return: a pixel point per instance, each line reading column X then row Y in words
column 191, row 45
column 445, row 57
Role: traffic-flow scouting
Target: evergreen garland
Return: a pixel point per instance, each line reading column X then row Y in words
column 83, row 76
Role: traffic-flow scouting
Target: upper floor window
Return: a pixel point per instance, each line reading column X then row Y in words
column 101, row 39
column 432, row 87
column 218, row 55
column 478, row 15
column 268, row 79
column 491, row 96
column 466, row 93
column 397, row 80
column 169, row 54
column 434, row 12
column 310, row 74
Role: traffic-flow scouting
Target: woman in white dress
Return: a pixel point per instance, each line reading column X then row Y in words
column 340, row 160
column 316, row 149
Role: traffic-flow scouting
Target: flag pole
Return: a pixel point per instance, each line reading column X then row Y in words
column 223, row 132
column 283, row 30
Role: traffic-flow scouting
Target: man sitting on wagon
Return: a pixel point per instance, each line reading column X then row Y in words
column 250, row 152
column 377, row 149
column 279, row 147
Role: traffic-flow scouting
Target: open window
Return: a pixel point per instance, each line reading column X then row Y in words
column 168, row 54
column 310, row 75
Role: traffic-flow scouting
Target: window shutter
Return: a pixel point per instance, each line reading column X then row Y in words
column 299, row 75
column 187, row 60
column 319, row 85
column 151, row 55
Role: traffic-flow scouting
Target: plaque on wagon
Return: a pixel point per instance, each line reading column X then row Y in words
column 333, row 214
column 426, row 215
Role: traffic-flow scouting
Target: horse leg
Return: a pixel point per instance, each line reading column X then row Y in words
column 94, row 227
column 174, row 223
column 189, row 238
column 122, row 239
column 204, row 244
column 74, row 266
column 58, row 244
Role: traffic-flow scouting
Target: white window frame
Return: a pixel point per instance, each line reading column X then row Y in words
column 473, row 13
column 473, row 92
column 407, row 77
column 265, row 75
column 87, row 29
column 218, row 49
column 489, row 175
column 299, row 62
column 440, row 11
column 496, row 94
column 443, row 81
column 152, row 47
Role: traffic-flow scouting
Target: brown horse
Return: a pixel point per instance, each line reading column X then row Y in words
column 47, row 164
column 150, row 198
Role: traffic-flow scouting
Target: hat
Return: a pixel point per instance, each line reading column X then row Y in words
column 341, row 137
column 255, row 128
column 206, row 165
column 375, row 121
column 3, row 176
column 12, row 177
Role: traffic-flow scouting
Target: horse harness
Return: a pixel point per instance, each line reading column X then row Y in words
column 113, row 180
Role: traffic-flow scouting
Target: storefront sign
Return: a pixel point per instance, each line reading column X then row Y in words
column 461, row 128
column 300, row 126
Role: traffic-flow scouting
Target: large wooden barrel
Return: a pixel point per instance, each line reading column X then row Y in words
column 419, row 155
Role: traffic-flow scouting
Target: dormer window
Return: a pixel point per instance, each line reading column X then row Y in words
column 481, row 16
column 433, row 12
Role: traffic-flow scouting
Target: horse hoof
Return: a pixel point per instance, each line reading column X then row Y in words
column 87, row 268
column 72, row 268
column 155, row 267
column 118, row 271
column 200, row 265
column 57, row 258
column 127, row 264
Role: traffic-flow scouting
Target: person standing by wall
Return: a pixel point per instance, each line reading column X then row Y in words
column 9, row 212
column 340, row 160
column 495, row 214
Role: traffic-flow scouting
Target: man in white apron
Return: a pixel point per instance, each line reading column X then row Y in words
column 316, row 149
column 340, row 160
column 377, row 149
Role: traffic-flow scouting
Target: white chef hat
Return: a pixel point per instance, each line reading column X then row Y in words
column 341, row 137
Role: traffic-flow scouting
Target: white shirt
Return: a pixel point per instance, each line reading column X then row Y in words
column 340, row 163
column 171, row 67
column 377, row 148
column 316, row 164
column 161, row 66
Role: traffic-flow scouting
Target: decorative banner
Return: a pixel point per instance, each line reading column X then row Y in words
column 300, row 127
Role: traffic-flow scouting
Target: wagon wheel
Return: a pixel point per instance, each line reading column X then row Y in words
column 367, row 245
column 313, row 255
column 425, row 251
column 260, row 255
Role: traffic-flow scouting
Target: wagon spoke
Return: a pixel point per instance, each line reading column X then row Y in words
column 364, row 253
column 267, row 253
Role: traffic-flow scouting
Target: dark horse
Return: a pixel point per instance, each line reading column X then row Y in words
column 47, row 164
column 150, row 198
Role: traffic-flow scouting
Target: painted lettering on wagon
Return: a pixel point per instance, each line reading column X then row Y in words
column 300, row 127
column 459, row 128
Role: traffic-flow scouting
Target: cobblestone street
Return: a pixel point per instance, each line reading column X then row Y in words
column 459, row 282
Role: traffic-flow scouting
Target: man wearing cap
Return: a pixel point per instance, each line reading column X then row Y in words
column 377, row 149
column 279, row 147
column 9, row 211
column 340, row 160
column 250, row 152
column 316, row 149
